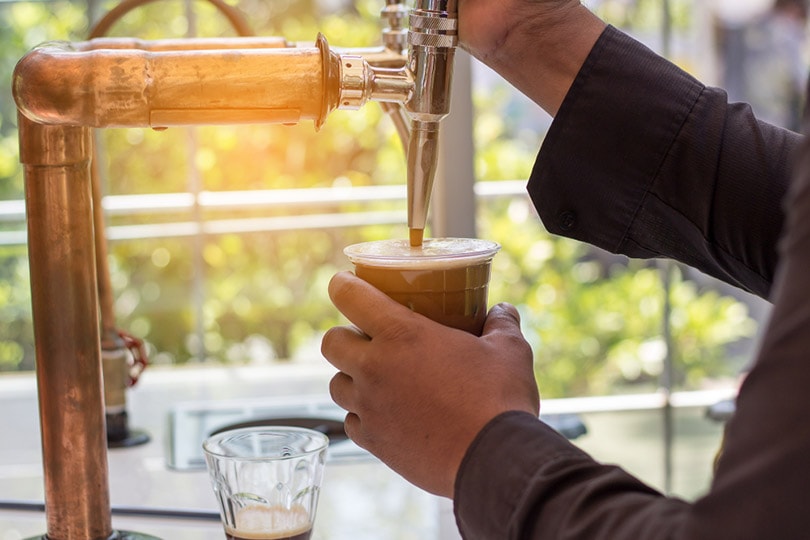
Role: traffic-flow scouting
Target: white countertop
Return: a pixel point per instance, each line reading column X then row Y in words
column 361, row 499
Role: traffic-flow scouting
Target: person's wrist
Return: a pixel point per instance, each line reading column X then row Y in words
column 541, row 48
column 521, row 24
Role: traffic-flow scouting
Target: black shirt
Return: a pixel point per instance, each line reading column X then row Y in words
column 644, row 160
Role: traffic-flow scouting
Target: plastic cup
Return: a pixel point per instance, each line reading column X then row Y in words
column 444, row 279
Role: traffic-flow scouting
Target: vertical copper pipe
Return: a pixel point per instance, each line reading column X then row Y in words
column 109, row 332
column 56, row 162
column 114, row 354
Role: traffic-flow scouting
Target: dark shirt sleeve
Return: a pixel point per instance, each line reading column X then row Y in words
column 706, row 184
column 672, row 170
column 522, row 480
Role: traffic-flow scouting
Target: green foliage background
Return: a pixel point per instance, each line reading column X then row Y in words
column 595, row 321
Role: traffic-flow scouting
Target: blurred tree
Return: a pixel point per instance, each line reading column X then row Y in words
column 22, row 26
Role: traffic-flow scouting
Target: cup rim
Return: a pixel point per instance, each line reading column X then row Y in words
column 482, row 250
column 316, row 436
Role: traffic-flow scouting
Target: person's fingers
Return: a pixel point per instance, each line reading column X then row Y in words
column 342, row 391
column 502, row 332
column 502, row 318
column 351, row 425
column 364, row 305
column 342, row 345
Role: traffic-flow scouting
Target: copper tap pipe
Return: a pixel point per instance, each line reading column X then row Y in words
column 56, row 161
column 184, row 44
column 109, row 330
column 64, row 84
column 61, row 91
column 114, row 354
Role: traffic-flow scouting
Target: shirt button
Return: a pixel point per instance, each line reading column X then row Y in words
column 568, row 220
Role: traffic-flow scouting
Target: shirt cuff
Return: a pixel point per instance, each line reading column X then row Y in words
column 498, row 469
column 592, row 173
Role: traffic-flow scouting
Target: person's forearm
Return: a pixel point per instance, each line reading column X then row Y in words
column 645, row 160
column 539, row 48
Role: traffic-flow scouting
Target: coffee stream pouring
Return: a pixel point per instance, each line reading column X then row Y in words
column 63, row 90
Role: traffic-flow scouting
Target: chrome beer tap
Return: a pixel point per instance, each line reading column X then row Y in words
column 432, row 41
column 422, row 87
column 419, row 83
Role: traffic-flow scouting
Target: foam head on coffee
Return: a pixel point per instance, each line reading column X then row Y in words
column 434, row 252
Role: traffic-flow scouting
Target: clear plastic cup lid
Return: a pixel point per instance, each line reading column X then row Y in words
column 444, row 251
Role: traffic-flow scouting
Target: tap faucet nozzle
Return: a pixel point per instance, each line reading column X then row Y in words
column 432, row 39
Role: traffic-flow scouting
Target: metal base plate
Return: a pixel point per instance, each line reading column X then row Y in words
column 134, row 438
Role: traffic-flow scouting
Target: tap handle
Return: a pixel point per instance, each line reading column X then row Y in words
column 433, row 38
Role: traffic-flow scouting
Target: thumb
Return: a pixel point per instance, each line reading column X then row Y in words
column 502, row 318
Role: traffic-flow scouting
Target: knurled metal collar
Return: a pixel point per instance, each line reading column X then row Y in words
column 353, row 85
column 432, row 40
column 432, row 31
column 432, row 23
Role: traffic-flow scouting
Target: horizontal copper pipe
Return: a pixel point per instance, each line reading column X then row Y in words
column 183, row 44
column 375, row 56
column 77, row 84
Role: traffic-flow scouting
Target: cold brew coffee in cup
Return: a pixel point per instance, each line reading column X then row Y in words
column 444, row 279
column 266, row 480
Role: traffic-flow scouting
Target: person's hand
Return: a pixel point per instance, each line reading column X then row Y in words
column 417, row 392
column 537, row 45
